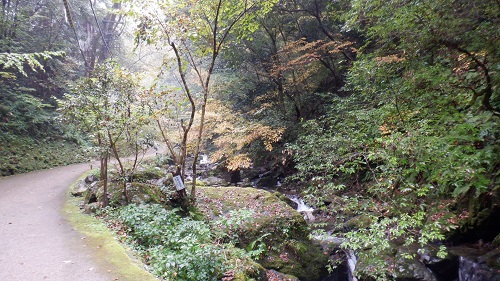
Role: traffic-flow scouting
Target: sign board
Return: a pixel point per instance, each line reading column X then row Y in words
column 179, row 184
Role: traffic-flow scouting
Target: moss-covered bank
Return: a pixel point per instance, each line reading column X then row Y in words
column 111, row 254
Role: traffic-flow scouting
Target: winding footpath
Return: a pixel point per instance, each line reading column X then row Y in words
column 36, row 241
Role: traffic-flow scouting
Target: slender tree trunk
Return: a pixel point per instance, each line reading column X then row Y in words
column 103, row 172
column 186, row 129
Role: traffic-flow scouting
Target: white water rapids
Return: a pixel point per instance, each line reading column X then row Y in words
column 303, row 208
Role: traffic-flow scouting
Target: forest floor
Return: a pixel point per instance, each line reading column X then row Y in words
column 37, row 240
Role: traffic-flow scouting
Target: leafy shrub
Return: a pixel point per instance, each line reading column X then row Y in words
column 229, row 227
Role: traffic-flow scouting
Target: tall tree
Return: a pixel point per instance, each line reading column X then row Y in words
column 106, row 106
column 197, row 32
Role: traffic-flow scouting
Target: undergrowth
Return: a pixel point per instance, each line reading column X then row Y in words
column 176, row 247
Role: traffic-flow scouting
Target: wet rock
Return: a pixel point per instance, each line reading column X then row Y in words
column 215, row 181
column 329, row 243
column 244, row 183
column 474, row 270
column 412, row 269
column 492, row 260
column 305, row 210
column 474, row 263
column 90, row 179
column 286, row 199
column 345, row 260
column 266, row 180
column 445, row 269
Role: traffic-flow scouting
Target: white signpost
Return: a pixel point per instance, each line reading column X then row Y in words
column 179, row 184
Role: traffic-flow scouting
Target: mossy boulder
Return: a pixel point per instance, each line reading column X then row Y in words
column 361, row 221
column 301, row 259
column 243, row 269
column 256, row 218
column 480, row 218
column 140, row 193
column 278, row 276
column 137, row 193
column 148, row 173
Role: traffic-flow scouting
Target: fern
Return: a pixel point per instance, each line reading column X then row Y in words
column 17, row 62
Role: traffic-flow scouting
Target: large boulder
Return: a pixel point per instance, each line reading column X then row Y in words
column 81, row 188
column 244, row 269
column 477, row 264
column 262, row 223
column 148, row 173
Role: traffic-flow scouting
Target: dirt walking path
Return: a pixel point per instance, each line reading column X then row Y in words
column 36, row 241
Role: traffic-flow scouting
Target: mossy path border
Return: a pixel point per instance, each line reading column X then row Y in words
column 111, row 254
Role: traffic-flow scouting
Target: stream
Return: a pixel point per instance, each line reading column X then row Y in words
column 464, row 263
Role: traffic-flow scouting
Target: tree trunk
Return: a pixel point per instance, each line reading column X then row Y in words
column 104, row 179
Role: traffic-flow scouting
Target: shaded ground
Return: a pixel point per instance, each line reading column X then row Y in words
column 36, row 240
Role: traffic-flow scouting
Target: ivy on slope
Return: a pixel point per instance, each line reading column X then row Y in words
column 21, row 154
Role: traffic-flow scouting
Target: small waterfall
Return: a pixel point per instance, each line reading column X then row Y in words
column 204, row 160
column 351, row 264
column 477, row 268
column 303, row 208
